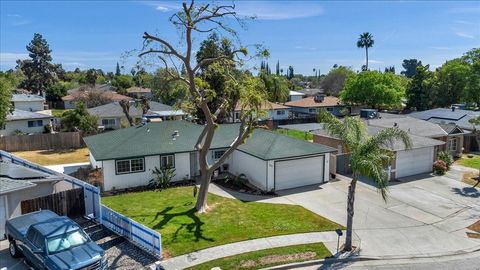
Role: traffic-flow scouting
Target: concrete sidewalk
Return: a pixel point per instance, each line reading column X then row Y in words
column 205, row 255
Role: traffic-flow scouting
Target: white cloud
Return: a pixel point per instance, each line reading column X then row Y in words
column 375, row 61
column 464, row 35
column 270, row 10
column 162, row 8
column 12, row 57
column 73, row 64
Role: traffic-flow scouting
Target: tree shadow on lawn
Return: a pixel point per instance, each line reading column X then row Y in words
column 195, row 227
column 467, row 192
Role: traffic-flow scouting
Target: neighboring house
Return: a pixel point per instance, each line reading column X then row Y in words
column 111, row 115
column 69, row 100
column 269, row 160
column 274, row 111
column 295, row 95
column 310, row 106
column 458, row 117
column 19, row 183
column 451, row 134
column 310, row 92
column 137, row 92
column 405, row 163
column 25, row 122
column 28, row 102
column 164, row 112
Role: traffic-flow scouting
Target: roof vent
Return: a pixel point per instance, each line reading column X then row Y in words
column 319, row 98
column 453, row 108
column 176, row 133
column 395, row 124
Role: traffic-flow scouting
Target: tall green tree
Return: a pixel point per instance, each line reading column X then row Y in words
column 123, row 82
column 472, row 91
column 117, row 70
column 91, row 77
column 374, row 89
column 39, row 71
column 450, row 82
column 6, row 86
column 277, row 87
column 365, row 41
column 166, row 90
column 368, row 156
column 192, row 20
column 410, row 67
column 419, row 89
column 79, row 119
column 334, row 82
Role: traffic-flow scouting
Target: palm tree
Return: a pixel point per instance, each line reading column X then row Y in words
column 365, row 41
column 368, row 156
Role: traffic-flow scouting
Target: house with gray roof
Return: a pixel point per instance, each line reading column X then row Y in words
column 28, row 102
column 458, row 117
column 269, row 160
column 19, row 183
column 25, row 122
column 111, row 115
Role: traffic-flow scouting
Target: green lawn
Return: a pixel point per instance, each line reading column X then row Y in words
column 58, row 112
column 302, row 135
column 473, row 162
column 269, row 257
column 172, row 213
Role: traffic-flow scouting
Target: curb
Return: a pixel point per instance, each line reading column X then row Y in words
column 368, row 258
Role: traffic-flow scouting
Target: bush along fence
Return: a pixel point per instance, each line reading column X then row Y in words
column 63, row 140
column 141, row 236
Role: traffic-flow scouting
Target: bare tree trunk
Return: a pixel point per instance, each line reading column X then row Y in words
column 126, row 110
column 201, row 204
column 366, row 52
column 350, row 211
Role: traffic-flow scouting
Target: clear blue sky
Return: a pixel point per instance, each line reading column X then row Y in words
column 306, row 35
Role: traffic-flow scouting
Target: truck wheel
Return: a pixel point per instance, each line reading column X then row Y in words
column 14, row 252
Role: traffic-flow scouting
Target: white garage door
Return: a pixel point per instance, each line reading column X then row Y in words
column 415, row 161
column 298, row 172
column 3, row 218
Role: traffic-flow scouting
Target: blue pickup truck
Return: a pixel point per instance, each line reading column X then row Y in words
column 49, row 241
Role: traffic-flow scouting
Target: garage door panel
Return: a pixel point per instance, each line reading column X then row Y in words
column 299, row 172
column 415, row 161
column 3, row 217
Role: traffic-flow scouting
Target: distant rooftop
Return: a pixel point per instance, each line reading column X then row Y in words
column 26, row 97
column 411, row 125
column 446, row 115
column 309, row 102
column 25, row 115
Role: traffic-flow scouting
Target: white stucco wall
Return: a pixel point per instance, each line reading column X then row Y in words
column 22, row 125
column 93, row 162
column 112, row 180
column 14, row 199
column 118, row 121
column 254, row 168
column 273, row 114
column 295, row 97
column 29, row 106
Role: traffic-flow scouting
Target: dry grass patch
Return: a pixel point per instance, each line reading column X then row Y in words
column 54, row 157
column 471, row 178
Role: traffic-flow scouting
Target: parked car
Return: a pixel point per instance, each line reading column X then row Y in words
column 49, row 241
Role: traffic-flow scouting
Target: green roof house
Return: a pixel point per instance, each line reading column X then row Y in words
column 270, row 161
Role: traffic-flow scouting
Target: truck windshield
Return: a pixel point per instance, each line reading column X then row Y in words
column 66, row 241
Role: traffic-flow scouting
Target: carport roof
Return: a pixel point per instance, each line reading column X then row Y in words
column 9, row 185
column 158, row 138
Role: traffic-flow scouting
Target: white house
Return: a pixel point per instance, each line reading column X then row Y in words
column 19, row 183
column 270, row 161
column 274, row 111
column 295, row 95
column 28, row 102
column 25, row 122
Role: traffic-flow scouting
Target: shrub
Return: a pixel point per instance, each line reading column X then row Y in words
column 446, row 157
column 440, row 167
column 162, row 178
column 47, row 129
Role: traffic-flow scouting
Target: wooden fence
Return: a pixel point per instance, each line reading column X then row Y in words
column 69, row 203
column 63, row 140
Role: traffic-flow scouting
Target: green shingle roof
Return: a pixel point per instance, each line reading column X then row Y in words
column 157, row 138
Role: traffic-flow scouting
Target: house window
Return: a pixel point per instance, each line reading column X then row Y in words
column 237, row 115
column 452, row 145
column 329, row 109
column 108, row 122
column 167, row 161
column 281, row 112
column 130, row 165
column 217, row 154
column 35, row 123
column 312, row 110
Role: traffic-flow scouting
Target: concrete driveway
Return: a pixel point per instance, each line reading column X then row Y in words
column 424, row 216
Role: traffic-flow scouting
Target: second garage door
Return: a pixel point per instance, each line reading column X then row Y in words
column 415, row 161
column 298, row 172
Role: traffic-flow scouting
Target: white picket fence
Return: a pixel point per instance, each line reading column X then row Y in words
column 141, row 236
column 137, row 233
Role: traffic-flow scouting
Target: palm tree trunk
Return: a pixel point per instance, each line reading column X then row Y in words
column 366, row 52
column 350, row 211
